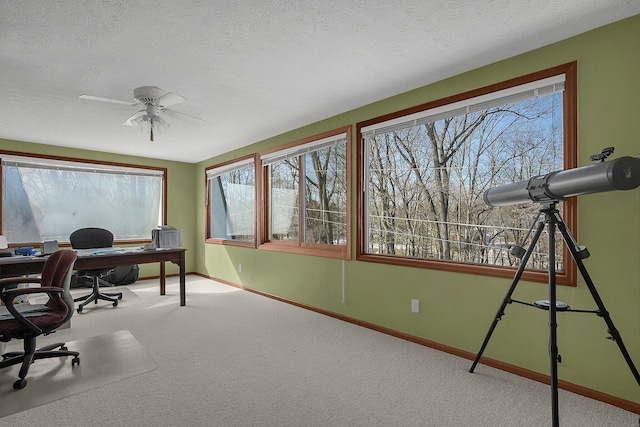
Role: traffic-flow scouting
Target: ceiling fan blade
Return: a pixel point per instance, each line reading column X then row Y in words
column 99, row 98
column 182, row 116
column 169, row 98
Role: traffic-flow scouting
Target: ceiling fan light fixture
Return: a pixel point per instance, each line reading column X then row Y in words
column 153, row 125
column 137, row 122
column 159, row 124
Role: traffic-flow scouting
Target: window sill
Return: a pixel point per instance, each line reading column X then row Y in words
column 562, row 277
column 231, row 243
column 327, row 251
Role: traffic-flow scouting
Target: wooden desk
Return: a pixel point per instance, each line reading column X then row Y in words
column 10, row 267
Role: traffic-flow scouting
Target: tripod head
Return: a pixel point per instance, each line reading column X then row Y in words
column 552, row 215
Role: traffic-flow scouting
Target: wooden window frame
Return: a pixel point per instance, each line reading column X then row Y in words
column 570, row 145
column 300, row 247
column 219, row 241
column 94, row 162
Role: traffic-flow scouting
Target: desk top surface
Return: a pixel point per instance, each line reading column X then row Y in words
column 93, row 253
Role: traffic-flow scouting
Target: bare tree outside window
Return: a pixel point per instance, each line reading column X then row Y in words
column 425, row 182
column 307, row 195
column 326, row 196
column 284, row 212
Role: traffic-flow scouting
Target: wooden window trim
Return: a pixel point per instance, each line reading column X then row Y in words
column 94, row 162
column 298, row 247
column 207, row 198
column 570, row 146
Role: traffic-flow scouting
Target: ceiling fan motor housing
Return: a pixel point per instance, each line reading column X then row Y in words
column 147, row 94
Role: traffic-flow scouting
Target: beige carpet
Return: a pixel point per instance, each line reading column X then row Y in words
column 104, row 359
column 127, row 297
column 233, row 358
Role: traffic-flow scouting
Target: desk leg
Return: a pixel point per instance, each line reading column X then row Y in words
column 163, row 279
column 183, row 296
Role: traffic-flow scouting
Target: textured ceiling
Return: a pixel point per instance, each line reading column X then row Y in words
column 251, row 69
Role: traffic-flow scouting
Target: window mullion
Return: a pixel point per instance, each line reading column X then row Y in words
column 302, row 203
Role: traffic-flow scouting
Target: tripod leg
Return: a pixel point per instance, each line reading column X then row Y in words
column 553, row 325
column 602, row 311
column 507, row 298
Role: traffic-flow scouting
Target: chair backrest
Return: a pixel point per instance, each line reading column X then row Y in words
column 91, row 238
column 63, row 263
column 57, row 272
column 58, row 268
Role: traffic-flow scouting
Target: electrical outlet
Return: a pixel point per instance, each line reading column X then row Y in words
column 415, row 306
column 239, row 268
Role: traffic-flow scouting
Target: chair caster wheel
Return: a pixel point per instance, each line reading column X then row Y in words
column 119, row 296
column 63, row 347
column 115, row 303
column 79, row 310
column 75, row 361
column 20, row 384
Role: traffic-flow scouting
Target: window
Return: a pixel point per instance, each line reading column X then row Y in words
column 424, row 172
column 231, row 190
column 307, row 196
column 47, row 199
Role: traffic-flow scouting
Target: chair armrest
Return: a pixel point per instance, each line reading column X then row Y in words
column 20, row 318
column 17, row 280
column 10, row 295
column 23, row 291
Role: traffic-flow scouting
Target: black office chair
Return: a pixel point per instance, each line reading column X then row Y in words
column 27, row 325
column 94, row 238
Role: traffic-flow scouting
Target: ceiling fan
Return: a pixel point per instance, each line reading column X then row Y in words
column 154, row 102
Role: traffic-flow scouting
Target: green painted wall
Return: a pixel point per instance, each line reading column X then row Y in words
column 457, row 309
column 180, row 191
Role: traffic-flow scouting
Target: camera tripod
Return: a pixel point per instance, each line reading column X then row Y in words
column 553, row 220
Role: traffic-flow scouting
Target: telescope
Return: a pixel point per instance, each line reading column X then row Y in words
column 619, row 174
column 622, row 173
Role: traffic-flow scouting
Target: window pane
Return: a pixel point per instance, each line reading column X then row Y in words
column 425, row 183
column 233, row 205
column 283, row 202
column 49, row 204
column 326, row 196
